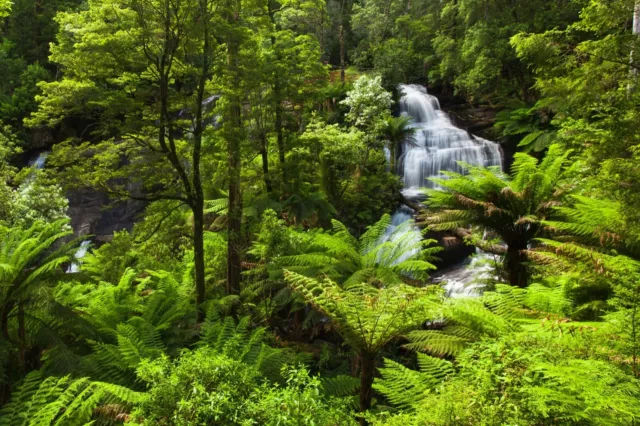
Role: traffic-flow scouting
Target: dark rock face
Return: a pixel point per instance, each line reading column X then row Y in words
column 93, row 213
column 454, row 250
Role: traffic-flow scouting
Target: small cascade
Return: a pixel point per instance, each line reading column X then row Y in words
column 462, row 280
column 79, row 255
column 436, row 147
column 39, row 160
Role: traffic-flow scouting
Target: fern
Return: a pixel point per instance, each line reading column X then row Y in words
column 406, row 388
column 237, row 341
column 63, row 401
column 513, row 208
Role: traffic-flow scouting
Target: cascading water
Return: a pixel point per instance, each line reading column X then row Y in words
column 38, row 162
column 437, row 146
column 79, row 255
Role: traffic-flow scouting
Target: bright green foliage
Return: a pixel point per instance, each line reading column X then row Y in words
column 240, row 343
column 511, row 207
column 5, row 8
column 135, row 321
column 46, row 401
column 404, row 387
column 513, row 370
column 297, row 404
column 368, row 102
column 538, row 377
column 530, row 123
column 36, row 200
column 31, row 262
column 586, row 77
column 367, row 318
column 394, row 131
column 374, row 258
column 204, row 387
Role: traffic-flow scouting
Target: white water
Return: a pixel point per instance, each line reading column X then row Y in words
column 79, row 255
column 38, row 163
column 437, row 146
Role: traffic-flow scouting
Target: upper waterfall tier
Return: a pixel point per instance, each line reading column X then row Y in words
column 437, row 145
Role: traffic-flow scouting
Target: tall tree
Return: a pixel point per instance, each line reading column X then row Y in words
column 135, row 73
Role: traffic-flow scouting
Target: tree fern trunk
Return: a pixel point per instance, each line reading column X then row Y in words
column 514, row 265
column 367, row 371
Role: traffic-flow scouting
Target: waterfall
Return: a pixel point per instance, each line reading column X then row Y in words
column 38, row 161
column 436, row 147
column 79, row 255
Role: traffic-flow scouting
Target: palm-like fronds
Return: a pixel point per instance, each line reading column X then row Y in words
column 406, row 388
column 50, row 401
column 367, row 318
column 374, row 258
column 136, row 319
column 497, row 313
column 237, row 341
column 31, row 262
column 512, row 208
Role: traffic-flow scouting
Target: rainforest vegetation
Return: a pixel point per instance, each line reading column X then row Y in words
column 319, row 212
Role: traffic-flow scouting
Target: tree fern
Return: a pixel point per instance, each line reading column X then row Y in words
column 31, row 262
column 512, row 208
column 367, row 317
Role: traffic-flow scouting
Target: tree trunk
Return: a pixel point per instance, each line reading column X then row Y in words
column 4, row 322
column 392, row 156
column 277, row 98
column 22, row 340
column 264, row 153
column 632, row 59
column 367, row 371
column 198, row 255
column 198, row 194
column 234, row 136
column 342, row 54
column 514, row 265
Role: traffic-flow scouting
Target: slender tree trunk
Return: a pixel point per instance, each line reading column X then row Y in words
column 342, row 54
column 277, row 97
column 234, row 136
column 198, row 254
column 4, row 323
column 22, row 340
column 367, row 371
column 198, row 194
column 264, row 153
column 392, row 156
column 632, row 59
column 282, row 149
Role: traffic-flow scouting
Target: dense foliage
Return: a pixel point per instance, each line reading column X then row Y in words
column 246, row 156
